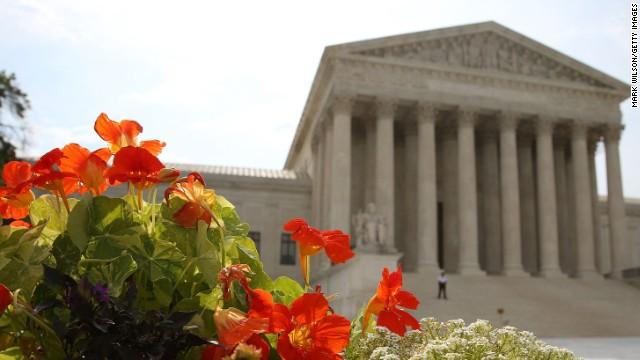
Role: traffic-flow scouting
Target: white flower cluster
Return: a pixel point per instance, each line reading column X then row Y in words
column 453, row 340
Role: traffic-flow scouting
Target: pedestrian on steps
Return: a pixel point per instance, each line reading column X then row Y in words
column 442, row 285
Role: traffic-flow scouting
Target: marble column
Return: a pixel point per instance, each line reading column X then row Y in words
column 340, row 214
column 370, row 165
column 316, row 188
column 528, row 206
column 408, row 179
column 427, row 196
column 583, row 214
column 489, row 216
column 467, row 194
column 559, row 154
column 451, row 239
column 510, row 197
column 385, row 170
column 592, row 144
column 327, row 155
column 619, row 238
column 547, row 208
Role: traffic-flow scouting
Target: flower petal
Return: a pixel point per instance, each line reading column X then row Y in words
column 337, row 246
column 5, row 298
column 153, row 146
column 309, row 308
column 407, row 300
column 391, row 321
column 332, row 332
column 15, row 173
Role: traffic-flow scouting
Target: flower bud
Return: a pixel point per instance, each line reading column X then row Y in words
column 168, row 175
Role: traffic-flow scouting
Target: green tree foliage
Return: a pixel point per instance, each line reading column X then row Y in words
column 16, row 102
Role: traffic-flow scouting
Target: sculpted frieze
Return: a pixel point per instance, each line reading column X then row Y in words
column 486, row 50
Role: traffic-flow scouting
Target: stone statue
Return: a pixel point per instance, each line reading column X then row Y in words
column 370, row 229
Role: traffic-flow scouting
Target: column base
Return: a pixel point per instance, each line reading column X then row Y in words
column 552, row 273
column 473, row 270
column 428, row 268
column 589, row 275
column 515, row 272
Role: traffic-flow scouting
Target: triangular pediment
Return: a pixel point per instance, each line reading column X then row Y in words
column 485, row 46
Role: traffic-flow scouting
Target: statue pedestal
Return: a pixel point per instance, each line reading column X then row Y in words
column 356, row 281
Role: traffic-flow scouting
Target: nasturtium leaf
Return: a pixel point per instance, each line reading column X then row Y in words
column 49, row 209
column 187, row 305
column 206, row 257
column 66, row 254
column 12, row 353
column 159, row 259
column 248, row 254
column 210, row 299
column 110, row 215
column 163, row 292
column 80, row 221
column 25, row 256
column 113, row 274
column 285, row 290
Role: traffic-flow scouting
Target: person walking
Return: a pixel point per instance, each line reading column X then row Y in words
column 442, row 285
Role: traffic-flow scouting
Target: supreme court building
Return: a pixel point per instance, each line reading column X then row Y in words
column 474, row 143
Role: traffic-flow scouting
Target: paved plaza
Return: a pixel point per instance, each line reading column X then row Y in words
column 601, row 348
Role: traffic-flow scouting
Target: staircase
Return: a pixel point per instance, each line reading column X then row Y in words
column 555, row 307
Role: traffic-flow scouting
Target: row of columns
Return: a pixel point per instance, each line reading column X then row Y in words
column 336, row 191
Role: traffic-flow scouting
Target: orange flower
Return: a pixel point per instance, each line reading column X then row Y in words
column 16, row 195
column 20, row 224
column 312, row 332
column 234, row 326
column 311, row 240
column 385, row 302
column 124, row 133
column 135, row 165
column 233, row 272
column 200, row 200
column 88, row 167
column 49, row 176
column 255, row 348
column 6, row 298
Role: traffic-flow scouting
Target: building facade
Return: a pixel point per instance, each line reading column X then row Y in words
column 474, row 144
column 477, row 146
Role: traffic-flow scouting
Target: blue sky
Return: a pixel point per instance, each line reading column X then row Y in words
column 225, row 82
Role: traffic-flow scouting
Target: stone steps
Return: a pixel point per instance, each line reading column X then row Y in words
column 555, row 307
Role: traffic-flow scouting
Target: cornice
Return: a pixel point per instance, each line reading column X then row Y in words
column 479, row 76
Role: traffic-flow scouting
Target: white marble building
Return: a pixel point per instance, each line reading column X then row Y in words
column 476, row 145
column 475, row 142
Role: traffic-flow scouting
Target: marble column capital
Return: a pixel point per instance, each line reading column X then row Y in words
column 385, row 108
column 427, row 112
column 613, row 132
column 467, row 117
column 342, row 103
column 508, row 120
column 544, row 125
column 580, row 129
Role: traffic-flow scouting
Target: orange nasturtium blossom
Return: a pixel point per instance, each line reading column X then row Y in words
column 135, row 165
column 199, row 200
column 89, row 167
column 312, row 331
column 386, row 301
column 234, row 272
column 311, row 240
column 124, row 133
column 19, row 224
column 6, row 298
column 16, row 195
column 49, row 176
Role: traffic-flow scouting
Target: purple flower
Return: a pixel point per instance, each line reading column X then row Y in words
column 100, row 292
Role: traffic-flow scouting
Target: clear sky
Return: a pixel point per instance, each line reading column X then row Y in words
column 224, row 82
